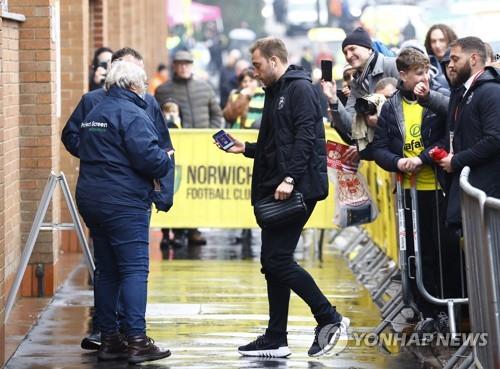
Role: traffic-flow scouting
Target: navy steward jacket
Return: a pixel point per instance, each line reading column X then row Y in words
column 119, row 152
column 163, row 199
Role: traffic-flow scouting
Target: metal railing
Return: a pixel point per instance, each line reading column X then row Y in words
column 481, row 225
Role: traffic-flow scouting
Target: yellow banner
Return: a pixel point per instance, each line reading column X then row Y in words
column 212, row 188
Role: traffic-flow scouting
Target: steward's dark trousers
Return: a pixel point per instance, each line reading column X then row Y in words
column 121, row 241
column 284, row 274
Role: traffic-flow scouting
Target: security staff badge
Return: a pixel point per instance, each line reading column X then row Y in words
column 469, row 99
column 281, row 102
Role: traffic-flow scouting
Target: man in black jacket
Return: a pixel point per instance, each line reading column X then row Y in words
column 474, row 119
column 289, row 155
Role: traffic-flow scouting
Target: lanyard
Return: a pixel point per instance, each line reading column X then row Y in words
column 456, row 114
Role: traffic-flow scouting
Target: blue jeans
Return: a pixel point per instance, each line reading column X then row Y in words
column 121, row 239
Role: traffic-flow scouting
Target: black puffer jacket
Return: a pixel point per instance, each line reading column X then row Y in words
column 291, row 139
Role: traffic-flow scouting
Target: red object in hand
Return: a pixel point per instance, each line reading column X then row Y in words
column 438, row 153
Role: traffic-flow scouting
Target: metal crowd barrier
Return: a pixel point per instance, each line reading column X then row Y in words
column 481, row 225
column 375, row 266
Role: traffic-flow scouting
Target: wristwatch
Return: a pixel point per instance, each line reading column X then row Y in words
column 333, row 106
column 289, row 180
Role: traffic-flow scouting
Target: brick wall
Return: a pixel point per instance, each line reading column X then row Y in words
column 74, row 77
column 11, row 160
column 2, row 234
column 141, row 25
column 38, row 129
column 115, row 11
column 29, row 128
column 97, row 24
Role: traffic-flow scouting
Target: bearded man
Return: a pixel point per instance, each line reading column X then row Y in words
column 474, row 122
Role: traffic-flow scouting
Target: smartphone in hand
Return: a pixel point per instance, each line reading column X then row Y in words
column 326, row 70
column 223, row 140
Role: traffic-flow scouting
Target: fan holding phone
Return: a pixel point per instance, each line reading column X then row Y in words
column 370, row 67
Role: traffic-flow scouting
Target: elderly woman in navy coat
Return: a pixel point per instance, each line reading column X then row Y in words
column 119, row 159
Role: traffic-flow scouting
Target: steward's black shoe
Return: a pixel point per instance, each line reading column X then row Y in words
column 142, row 348
column 265, row 347
column 92, row 341
column 113, row 347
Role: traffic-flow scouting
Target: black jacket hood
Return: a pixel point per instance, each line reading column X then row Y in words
column 490, row 74
column 293, row 72
column 296, row 72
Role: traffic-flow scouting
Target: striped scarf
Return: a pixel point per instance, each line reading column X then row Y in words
column 362, row 79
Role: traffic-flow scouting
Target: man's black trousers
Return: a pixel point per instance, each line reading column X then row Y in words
column 283, row 275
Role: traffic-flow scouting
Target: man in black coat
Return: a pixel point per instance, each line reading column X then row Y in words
column 474, row 120
column 289, row 155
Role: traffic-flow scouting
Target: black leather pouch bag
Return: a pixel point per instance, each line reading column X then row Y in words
column 273, row 213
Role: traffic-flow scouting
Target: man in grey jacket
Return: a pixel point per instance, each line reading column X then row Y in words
column 196, row 98
column 370, row 66
column 199, row 108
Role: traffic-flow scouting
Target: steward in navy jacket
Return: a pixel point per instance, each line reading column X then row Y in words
column 119, row 153
column 70, row 137
column 291, row 139
column 387, row 145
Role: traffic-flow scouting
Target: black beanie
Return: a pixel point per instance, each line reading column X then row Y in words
column 358, row 37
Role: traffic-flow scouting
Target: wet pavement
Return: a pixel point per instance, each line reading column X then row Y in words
column 202, row 305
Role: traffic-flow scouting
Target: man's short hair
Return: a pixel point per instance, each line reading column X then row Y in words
column 271, row 46
column 384, row 82
column 124, row 52
column 471, row 45
column 489, row 52
column 411, row 58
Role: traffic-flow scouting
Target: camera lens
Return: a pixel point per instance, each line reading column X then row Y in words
column 363, row 106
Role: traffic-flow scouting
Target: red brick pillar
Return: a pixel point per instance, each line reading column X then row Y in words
column 39, row 133
column 98, row 25
column 10, row 210
column 127, row 27
column 114, row 23
column 157, row 51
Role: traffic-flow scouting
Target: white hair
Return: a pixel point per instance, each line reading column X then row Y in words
column 126, row 75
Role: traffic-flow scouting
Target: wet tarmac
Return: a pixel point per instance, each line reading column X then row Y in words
column 203, row 304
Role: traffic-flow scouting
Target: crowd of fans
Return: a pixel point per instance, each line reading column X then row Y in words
column 440, row 94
